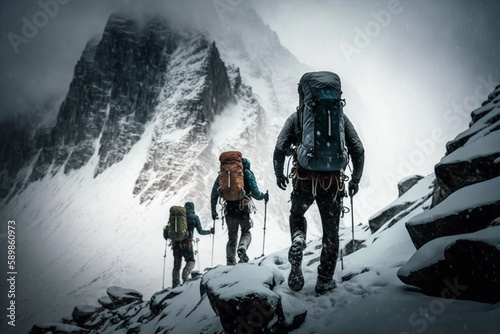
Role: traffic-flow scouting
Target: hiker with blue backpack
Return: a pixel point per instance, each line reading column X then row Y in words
column 180, row 229
column 235, row 186
column 320, row 138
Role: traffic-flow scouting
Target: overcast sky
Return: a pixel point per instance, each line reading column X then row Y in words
column 418, row 67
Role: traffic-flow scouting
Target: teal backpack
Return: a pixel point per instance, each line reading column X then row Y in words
column 321, row 120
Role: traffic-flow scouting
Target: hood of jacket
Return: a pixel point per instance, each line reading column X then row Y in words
column 246, row 163
column 189, row 207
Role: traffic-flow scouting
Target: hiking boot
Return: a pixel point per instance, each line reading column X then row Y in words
column 242, row 254
column 295, row 278
column 323, row 287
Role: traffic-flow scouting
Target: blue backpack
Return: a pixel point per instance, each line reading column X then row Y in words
column 321, row 120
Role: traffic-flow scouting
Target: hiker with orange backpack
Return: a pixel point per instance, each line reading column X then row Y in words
column 236, row 186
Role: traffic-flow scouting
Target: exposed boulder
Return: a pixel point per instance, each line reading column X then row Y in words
column 485, row 119
column 106, row 302
column 472, row 163
column 161, row 299
column 82, row 313
column 406, row 202
column 243, row 297
column 120, row 296
column 467, row 210
column 56, row 327
column 405, row 184
column 466, row 266
column 379, row 219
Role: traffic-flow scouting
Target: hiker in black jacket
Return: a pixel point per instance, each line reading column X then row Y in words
column 328, row 199
column 184, row 248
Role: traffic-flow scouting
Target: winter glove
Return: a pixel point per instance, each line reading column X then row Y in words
column 353, row 188
column 165, row 233
column 266, row 197
column 282, row 181
column 215, row 215
column 212, row 230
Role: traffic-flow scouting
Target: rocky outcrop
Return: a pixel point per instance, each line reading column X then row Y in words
column 478, row 161
column 82, row 313
column 136, row 74
column 458, row 267
column 21, row 139
column 467, row 210
column 458, row 241
column 120, row 296
column 405, row 184
column 121, row 305
column 113, row 94
column 405, row 204
column 245, row 306
column 474, row 155
column 197, row 89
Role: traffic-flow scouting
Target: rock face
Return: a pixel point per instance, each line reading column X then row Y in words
column 115, row 88
column 138, row 74
column 473, row 156
column 463, row 267
column 245, row 306
column 466, row 196
column 188, row 105
column 21, row 140
column 458, row 251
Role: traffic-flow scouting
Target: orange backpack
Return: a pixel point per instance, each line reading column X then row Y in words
column 231, row 184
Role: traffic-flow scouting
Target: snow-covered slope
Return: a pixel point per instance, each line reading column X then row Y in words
column 139, row 131
column 369, row 297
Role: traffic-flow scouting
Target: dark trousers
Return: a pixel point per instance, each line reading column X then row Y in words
column 237, row 219
column 182, row 249
column 329, row 205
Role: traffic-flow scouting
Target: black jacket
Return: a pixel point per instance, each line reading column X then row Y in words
column 193, row 220
column 290, row 135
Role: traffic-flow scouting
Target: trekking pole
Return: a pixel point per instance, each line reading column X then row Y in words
column 265, row 218
column 198, row 252
column 213, row 243
column 341, row 258
column 352, row 219
column 164, row 265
